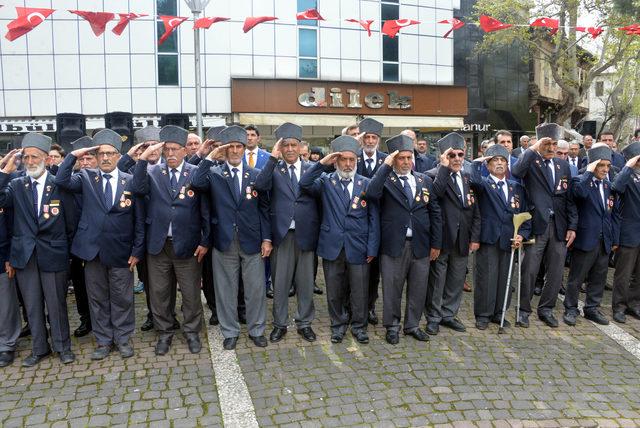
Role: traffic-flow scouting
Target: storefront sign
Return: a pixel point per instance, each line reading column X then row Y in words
column 374, row 100
column 27, row 126
column 476, row 127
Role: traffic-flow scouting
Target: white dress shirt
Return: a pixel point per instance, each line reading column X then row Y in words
column 412, row 184
column 40, row 187
column 255, row 156
column 373, row 158
column 504, row 186
column 601, row 190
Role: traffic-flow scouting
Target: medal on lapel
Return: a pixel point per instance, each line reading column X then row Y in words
column 182, row 190
column 248, row 192
column 45, row 211
column 190, row 193
column 355, row 202
column 123, row 202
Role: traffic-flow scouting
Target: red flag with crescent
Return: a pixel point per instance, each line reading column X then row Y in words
column 551, row 23
column 207, row 21
column 489, row 24
column 594, row 31
column 309, row 14
column 631, row 30
column 170, row 24
column 28, row 19
column 252, row 21
column 124, row 21
column 393, row 26
column 455, row 25
column 366, row 24
column 97, row 20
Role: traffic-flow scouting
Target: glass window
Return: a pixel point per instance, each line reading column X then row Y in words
column 308, row 68
column 306, row 5
column 168, row 70
column 169, row 45
column 390, row 11
column 307, row 43
column 390, row 49
column 167, row 7
column 390, row 72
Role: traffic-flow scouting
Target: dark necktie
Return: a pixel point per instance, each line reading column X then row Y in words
column 293, row 178
column 598, row 183
column 501, row 191
column 34, row 189
column 455, row 183
column 174, row 180
column 108, row 191
column 369, row 168
column 236, row 184
column 408, row 193
column 548, row 174
column 345, row 189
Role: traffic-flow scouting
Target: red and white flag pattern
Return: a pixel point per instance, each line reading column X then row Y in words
column 97, row 20
column 366, row 24
column 170, row 24
column 393, row 26
column 28, row 19
column 455, row 23
column 252, row 21
column 489, row 24
column 207, row 21
column 311, row 14
column 546, row 22
column 594, row 31
column 125, row 18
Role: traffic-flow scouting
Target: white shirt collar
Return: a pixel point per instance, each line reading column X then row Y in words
column 113, row 174
column 179, row 167
column 365, row 156
column 239, row 168
column 297, row 164
column 496, row 179
column 42, row 179
column 254, row 151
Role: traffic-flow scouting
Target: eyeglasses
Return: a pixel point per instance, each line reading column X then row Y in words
column 107, row 154
column 454, row 155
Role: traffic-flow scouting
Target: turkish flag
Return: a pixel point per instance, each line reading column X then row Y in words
column 546, row 22
column 170, row 24
column 28, row 19
column 455, row 25
column 594, row 31
column 310, row 14
column 489, row 24
column 366, row 24
column 124, row 21
column 97, row 20
column 631, row 30
column 393, row 26
column 252, row 21
column 207, row 22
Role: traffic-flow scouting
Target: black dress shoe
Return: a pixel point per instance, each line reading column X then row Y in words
column 549, row 319
column 292, row 291
column 373, row 318
column 432, row 328
column 307, row 334
column 26, row 331
column 361, row 336
column 83, row 329
column 317, row 290
column 6, row 358
column 454, row 324
column 193, row 342
column 259, row 341
column 277, row 334
column 147, row 325
column 100, row 353
column 392, row 337
column 214, row 320
column 597, row 317
column 635, row 313
column 537, row 291
column 569, row 318
column 126, row 350
column 523, row 320
column 230, row 343
column 270, row 292
column 336, row 337
column 482, row 325
column 32, row 360
column 418, row 335
column 163, row 345
column 505, row 324
column 620, row 317
column 67, row 357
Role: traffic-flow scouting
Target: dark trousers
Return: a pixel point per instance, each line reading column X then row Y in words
column 552, row 250
column 374, row 282
column 76, row 273
column 338, row 273
column 446, row 282
column 491, row 273
column 626, row 280
column 9, row 314
column 38, row 289
column 591, row 266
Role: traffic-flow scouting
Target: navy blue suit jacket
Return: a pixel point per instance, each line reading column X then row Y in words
column 594, row 218
column 287, row 205
column 6, row 223
column 49, row 233
column 261, row 161
column 496, row 213
column 542, row 199
column 424, row 163
column 627, row 210
column 362, row 165
column 113, row 233
column 249, row 217
column 184, row 209
column 397, row 214
column 354, row 226
column 460, row 221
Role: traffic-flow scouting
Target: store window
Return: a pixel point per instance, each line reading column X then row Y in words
column 389, row 9
column 307, row 42
column 168, row 64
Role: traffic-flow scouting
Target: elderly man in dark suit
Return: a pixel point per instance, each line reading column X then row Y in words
column 44, row 222
column 295, row 226
column 460, row 235
column 349, row 235
column 555, row 219
column 177, row 237
column 110, row 239
column 412, row 228
column 499, row 199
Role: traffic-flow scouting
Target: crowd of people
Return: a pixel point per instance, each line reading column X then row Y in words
column 228, row 219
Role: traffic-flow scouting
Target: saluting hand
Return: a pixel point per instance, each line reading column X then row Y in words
column 360, row 137
column 147, row 152
column 204, row 149
column 444, row 157
column 631, row 163
column 330, row 159
column 218, row 152
column 275, row 152
column 389, row 159
column 200, row 252
column 10, row 165
column 134, row 149
column 483, row 159
column 592, row 165
column 81, row 152
column 6, row 158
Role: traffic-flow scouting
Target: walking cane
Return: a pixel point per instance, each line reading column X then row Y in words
column 518, row 219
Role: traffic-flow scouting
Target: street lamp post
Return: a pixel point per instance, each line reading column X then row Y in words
column 197, row 6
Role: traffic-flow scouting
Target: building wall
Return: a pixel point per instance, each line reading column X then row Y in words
column 62, row 67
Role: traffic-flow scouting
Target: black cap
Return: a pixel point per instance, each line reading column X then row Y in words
column 549, row 130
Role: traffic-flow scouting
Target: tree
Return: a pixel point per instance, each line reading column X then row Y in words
column 563, row 51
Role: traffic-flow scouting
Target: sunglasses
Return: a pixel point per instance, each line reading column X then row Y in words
column 454, row 155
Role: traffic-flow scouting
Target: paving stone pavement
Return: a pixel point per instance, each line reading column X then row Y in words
column 527, row 377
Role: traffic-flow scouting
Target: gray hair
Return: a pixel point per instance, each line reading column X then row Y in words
column 563, row 144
